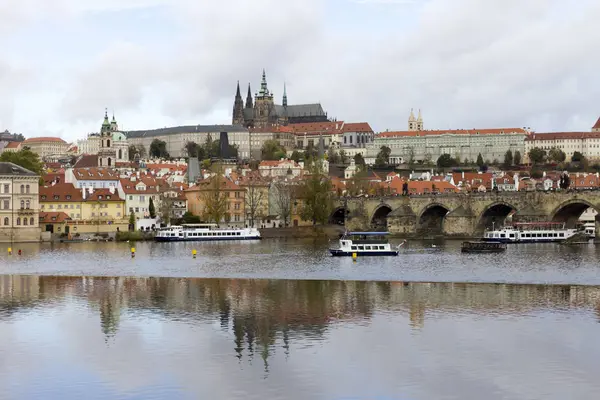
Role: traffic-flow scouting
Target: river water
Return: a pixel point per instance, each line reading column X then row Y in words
column 280, row 319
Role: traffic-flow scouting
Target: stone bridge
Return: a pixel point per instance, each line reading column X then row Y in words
column 462, row 214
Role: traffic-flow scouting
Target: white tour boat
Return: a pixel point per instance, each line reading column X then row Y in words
column 204, row 232
column 590, row 229
column 365, row 244
column 536, row 232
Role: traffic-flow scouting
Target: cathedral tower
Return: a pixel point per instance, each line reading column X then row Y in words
column 264, row 107
column 238, row 108
column 249, row 98
column 420, row 121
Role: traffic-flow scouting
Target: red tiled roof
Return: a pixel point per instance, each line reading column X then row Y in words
column 597, row 124
column 357, row 127
column 53, row 216
column 562, row 135
column 205, row 184
column 86, row 161
column 65, row 192
column 95, row 174
column 152, row 185
column 44, row 139
column 12, row 145
column 495, row 131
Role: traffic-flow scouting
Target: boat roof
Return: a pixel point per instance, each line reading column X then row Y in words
column 368, row 233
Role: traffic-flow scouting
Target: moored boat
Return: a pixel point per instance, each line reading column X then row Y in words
column 535, row 232
column 204, row 232
column 364, row 244
column 483, row 247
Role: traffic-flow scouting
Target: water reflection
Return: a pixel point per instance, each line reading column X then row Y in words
column 280, row 326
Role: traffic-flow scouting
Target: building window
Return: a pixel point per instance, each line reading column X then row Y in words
column 6, row 204
column 22, row 203
column 27, row 189
column 6, row 222
column 22, row 189
column 18, row 220
column 6, row 188
column 25, row 221
column 27, row 204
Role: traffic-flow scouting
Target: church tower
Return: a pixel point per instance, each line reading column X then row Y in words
column 264, row 107
column 420, row 121
column 412, row 121
column 238, row 108
column 249, row 98
column 107, row 153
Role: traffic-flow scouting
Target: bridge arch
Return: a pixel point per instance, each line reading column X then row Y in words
column 379, row 217
column 431, row 220
column 570, row 211
column 494, row 215
column 338, row 216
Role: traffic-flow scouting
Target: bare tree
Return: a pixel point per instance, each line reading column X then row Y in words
column 215, row 198
column 164, row 212
column 254, row 198
column 283, row 196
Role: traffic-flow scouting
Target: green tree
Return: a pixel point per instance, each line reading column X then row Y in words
column 383, row 157
column 360, row 161
column 577, row 157
column 343, row 156
column 317, row 196
column 332, row 156
column 480, row 162
column 151, row 208
column 158, row 149
column 24, row 158
column 192, row 149
column 310, row 153
column 272, row 150
column 537, row 155
column 296, row 156
column 189, row 218
column 557, row 155
column 517, row 158
column 508, row 159
column 446, row 161
column 132, row 221
column 536, row 173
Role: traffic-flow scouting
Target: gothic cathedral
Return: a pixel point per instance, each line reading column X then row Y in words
column 263, row 112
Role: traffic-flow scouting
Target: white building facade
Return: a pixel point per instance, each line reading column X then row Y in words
column 465, row 144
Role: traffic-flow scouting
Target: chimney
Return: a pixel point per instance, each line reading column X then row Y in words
column 463, row 175
column 111, row 190
column 83, row 192
column 91, row 189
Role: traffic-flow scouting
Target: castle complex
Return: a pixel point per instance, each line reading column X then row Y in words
column 263, row 112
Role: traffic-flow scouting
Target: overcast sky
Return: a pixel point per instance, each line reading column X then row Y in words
column 156, row 63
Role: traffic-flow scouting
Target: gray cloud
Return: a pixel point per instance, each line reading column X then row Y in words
column 466, row 63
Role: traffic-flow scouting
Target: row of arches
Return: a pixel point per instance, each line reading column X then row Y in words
column 432, row 219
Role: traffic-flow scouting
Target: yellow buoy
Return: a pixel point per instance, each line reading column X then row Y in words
column 132, row 252
column 10, row 251
column 194, row 253
column 354, row 256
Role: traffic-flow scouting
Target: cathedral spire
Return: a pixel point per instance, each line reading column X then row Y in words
column 249, row 98
column 412, row 116
column 264, row 90
column 238, row 107
column 284, row 103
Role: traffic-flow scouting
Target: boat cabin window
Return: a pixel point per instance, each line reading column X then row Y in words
column 353, row 247
column 361, row 247
column 381, row 247
column 367, row 247
column 239, row 233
